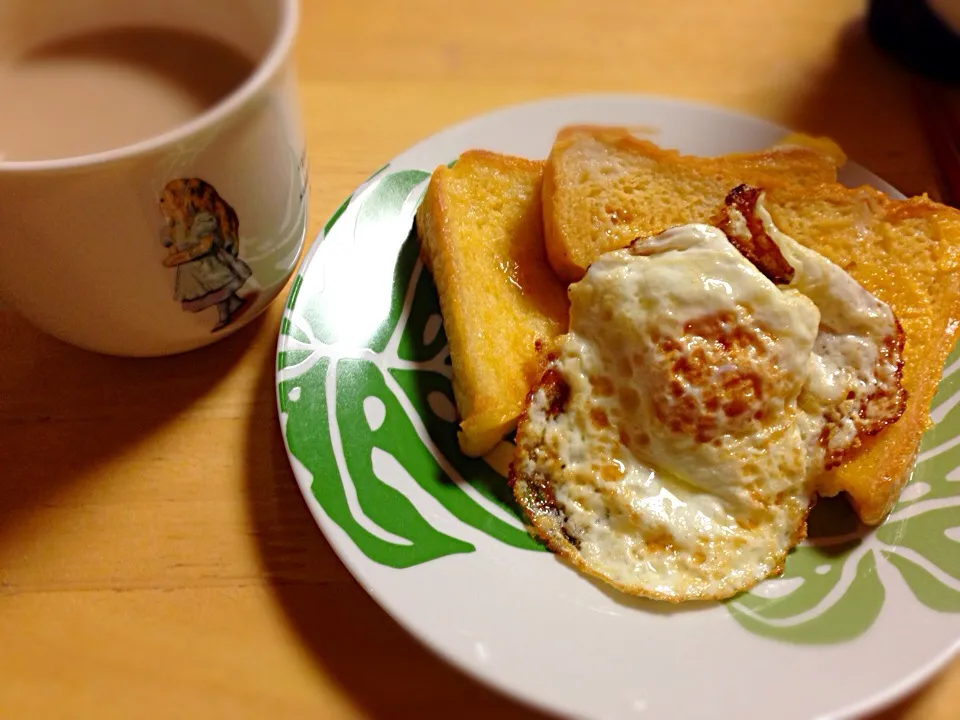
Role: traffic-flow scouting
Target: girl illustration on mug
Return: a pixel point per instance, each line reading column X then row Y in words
column 202, row 232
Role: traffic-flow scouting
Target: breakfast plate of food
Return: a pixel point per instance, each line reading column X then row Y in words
column 629, row 406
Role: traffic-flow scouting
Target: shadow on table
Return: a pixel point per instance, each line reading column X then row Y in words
column 64, row 410
column 382, row 668
column 862, row 99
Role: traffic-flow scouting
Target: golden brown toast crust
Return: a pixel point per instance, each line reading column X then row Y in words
column 481, row 237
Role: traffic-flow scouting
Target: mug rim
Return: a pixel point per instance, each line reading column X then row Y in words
column 276, row 55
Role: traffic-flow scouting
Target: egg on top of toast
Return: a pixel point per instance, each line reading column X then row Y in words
column 709, row 375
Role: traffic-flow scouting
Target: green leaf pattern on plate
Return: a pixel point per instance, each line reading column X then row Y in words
column 370, row 366
column 367, row 360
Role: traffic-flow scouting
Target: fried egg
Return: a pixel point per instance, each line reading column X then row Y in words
column 710, row 374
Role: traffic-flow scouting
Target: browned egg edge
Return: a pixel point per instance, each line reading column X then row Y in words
column 534, row 492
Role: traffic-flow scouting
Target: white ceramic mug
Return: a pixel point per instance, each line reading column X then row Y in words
column 92, row 247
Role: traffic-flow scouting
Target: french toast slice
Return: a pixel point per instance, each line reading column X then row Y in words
column 907, row 254
column 481, row 235
column 604, row 187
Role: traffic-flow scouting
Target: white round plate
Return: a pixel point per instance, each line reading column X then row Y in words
column 363, row 383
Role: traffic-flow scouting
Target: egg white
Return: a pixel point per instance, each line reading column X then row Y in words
column 697, row 402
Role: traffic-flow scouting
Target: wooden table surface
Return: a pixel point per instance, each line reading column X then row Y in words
column 156, row 559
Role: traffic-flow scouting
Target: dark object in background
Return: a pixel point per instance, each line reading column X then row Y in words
column 910, row 32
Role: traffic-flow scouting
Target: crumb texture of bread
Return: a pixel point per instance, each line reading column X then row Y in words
column 907, row 254
column 481, row 234
column 603, row 188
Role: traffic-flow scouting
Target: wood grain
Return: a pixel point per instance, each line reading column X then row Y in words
column 155, row 556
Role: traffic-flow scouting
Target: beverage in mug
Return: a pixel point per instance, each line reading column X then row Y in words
column 152, row 168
